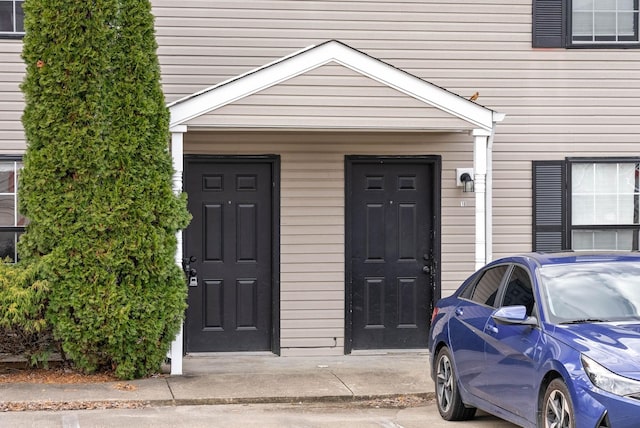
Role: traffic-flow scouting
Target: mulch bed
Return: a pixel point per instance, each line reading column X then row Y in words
column 57, row 376
column 18, row 373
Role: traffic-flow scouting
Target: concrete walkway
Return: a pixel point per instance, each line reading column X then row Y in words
column 243, row 378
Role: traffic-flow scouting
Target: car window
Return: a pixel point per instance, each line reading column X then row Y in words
column 486, row 288
column 589, row 292
column 519, row 290
column 467, row 292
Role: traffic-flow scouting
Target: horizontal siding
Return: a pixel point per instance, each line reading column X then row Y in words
column 580, row 102
column 312, row 236
column 558, row 102
column 196, row 36
column 11, row 100
column 347, row 99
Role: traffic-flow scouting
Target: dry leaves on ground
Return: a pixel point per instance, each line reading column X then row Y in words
column 74, row 405
column 59, row 375
column 50, row 376
column 398, row 401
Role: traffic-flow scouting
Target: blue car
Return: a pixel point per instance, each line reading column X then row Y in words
column 542, row 340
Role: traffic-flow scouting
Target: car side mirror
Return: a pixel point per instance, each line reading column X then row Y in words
column 513, row 315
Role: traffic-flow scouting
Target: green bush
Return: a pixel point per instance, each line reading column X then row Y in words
column 23, row 300
column 97, row 183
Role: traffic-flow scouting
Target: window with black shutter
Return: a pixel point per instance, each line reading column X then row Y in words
column 586, row 204
column 548, row 23
column 585, row 23
column 549, row 211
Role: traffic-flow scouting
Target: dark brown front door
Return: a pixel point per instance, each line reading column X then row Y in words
column 392, row 254
column 230, row 241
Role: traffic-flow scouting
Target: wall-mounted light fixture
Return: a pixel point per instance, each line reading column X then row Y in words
column 464, row 179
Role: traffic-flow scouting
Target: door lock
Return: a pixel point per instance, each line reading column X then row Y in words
column 192, row 274
column 193, row 278
column 193, row 281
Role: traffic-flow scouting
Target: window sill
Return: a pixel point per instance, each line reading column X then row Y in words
column 604, row 46
column 9, row 36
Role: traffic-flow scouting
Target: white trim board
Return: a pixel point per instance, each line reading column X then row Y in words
column 313, row 57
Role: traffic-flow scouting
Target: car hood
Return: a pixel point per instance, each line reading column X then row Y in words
column 614, row 345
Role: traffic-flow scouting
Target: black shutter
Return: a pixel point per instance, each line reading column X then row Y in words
column 548, row 23
column 549, row 213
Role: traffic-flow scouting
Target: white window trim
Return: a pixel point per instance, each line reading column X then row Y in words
column 15, row 23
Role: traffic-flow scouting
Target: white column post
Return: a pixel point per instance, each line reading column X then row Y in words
column 177, row 152
column 480, row 140
column 497, row 117
column 489, row 203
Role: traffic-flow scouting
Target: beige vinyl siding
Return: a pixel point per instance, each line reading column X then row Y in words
column 11, row 100
column 312, row 269
column 329, row 97
column 558, row 102
column 229, row 38
column 580, row 102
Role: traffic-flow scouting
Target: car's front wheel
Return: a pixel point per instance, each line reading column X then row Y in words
column 557, row 407
column 450, row 404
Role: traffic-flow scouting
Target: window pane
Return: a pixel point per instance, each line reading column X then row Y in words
column 8, row 194
column 487, row 288
column 8, row 245
column 627, row 210
column 582, row 25
column 605, row 25
column 605, row 5
column 584, row 240
column 625, row 5
column 582, row 177
column 605, row 240
column 625, row 240
column 605, row 21
column 7, row 211
column 6, row 16
column 583, row 5
column 519, row 290
column 626, row 25
column 19, row 17
column 627, row 178
column 606, row 209
column 606, row 177
column 21, row 220
column 6, row 178
column 582, row 210
column 604, row 193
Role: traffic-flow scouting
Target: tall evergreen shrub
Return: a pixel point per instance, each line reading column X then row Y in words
column 97, row 183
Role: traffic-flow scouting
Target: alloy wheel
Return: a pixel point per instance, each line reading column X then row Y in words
column 558, row 411
column 444, row 383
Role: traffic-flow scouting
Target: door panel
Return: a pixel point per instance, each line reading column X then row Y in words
column 391, row 227
column 230, row 237
column 512, row 352
column 467, row 328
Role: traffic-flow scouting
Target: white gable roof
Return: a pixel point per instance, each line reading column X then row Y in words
column 313, row 57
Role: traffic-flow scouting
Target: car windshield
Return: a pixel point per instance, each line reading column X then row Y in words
column 592, row 292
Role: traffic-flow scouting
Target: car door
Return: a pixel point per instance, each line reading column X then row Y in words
column 512, row 352
column 466, row 327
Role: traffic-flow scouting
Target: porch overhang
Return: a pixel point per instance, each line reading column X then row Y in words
column 312, row 57
column 480, row 123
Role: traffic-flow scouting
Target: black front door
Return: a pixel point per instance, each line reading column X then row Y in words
column 392, row 255
column 230, row 241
